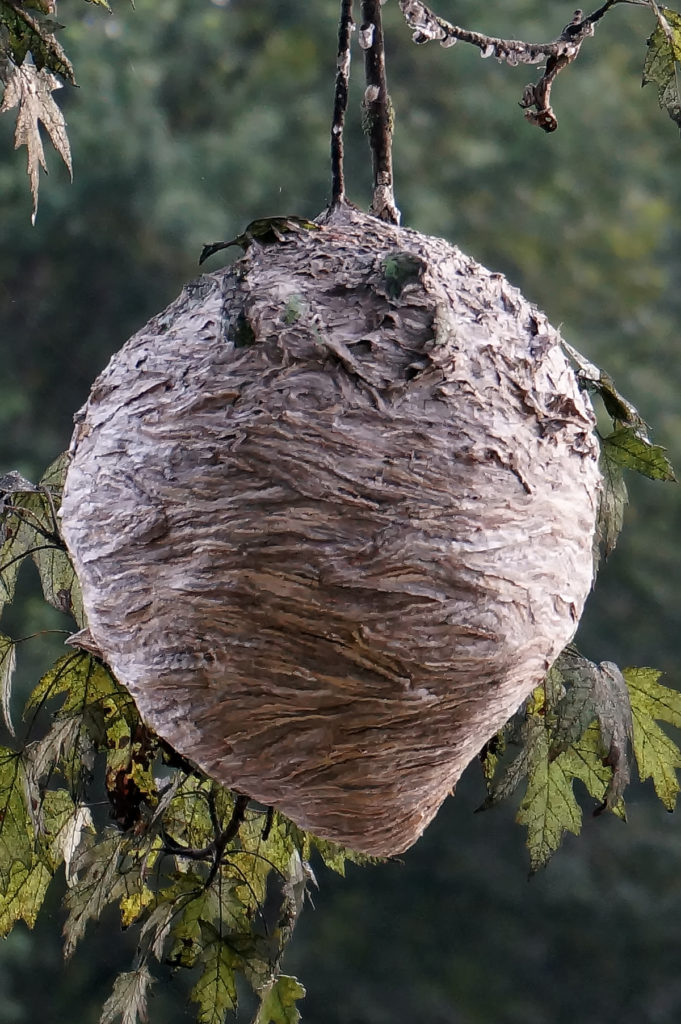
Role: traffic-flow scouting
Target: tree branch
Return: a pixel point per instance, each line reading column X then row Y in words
column 378, row 113
column 562, row 51
column 340, row 103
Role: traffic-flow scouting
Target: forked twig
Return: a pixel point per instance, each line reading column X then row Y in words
column 428, row 27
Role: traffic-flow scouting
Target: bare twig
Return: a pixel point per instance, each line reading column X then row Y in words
column 558, row 54
column 340, row 103
column 378, row 113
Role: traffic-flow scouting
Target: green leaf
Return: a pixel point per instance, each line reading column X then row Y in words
column 23, row 894
column 7, row 666
column 661, row 67
column 514, row 771
column 611, row 504
column 85, row 683
column 278, row 1002
column 215, row 991
column 26, row 866
column 549, row 808
column 657, row 756
column 29, row 34
column 583, row 760
column 129, row 998
column 594, row 693
column 627, row 448
column 29, row 526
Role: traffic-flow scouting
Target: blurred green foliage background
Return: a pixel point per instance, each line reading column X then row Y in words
column 194, row 117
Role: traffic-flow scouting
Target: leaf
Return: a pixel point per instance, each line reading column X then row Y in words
column 611, row 504
column 595, row 693
column 215, row 991
column 583, row 760
column 16, row 830
column 133, row 905
column 129, row 998
column 657, row 756
column 31, row 90
column 28, row 34
column 25, row 866
column 661, row 67
column 8, row 663
column 71, row 836
column 29, row 526
column 514, row 771
column 627, row 448
column 23, row 894
column 278, row 1002
column 97, row 882
column 84, row 681
column 549, row 808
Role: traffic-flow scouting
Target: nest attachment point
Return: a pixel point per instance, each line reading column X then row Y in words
column 332, row 512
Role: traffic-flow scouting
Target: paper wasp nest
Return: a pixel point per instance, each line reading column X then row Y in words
column 332, row 512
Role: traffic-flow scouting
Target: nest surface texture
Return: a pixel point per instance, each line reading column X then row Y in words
column 332, row 512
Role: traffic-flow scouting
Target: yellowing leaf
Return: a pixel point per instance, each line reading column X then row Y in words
column 278, row 1001
column 134, row 904
column 85, row 681
column 651, row 698
column 215, row 991
column 31, row 90
column 661, row 66
column 657, row 756
column 23, row 894
column 548, row 808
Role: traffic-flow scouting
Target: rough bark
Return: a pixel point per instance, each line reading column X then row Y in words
column 332, row 512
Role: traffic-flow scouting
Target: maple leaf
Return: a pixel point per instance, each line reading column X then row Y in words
column 129, row 997
column 661, row 66
column 278, row 1001
column 30, row 89
column 7, row 666
column 27, row 33
column 594, row 693
column 549, row 807
column 215, row 991
column 629, row 448
column 657, row 756
column 612, row 501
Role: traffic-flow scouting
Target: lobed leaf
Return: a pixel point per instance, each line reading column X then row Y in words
column 215, row 991
column 595, row 693
column 626, row 447
column 278, row 1002
column 30, row 89
column 661, row 67
column 657, row 756
column 29, row 34
column 129, row 998
column 549, row 808
column 611, row 504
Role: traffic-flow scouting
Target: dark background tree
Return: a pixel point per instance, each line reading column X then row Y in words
column 194, row 119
